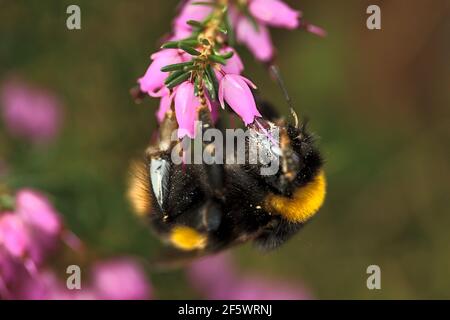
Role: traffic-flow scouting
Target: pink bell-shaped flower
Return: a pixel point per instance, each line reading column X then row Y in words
column 38, row 212
column 191, row 11
column 234, row 89
column 14, row 236
column 234, row 64
column 164, row 106
column 275, row 13
column 217, row 278
column 186, row 105
column 257, row 39
column 120, row 279
column 153, row 80
column 30, row 112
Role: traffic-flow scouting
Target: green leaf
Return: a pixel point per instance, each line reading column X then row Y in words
column 204, row 3
column 180, row 79
column 212, row 76
column 194, row 36
column 227, row 55
column 191, row 42
column 230, row 31
column 174, row 75
column 223, row 30
column 210, row 87
column 196, row 87
column 195, row 24
column 177, row 66
column 189, row 50
column 190, row 68
column 170, row 45
column 217, row 59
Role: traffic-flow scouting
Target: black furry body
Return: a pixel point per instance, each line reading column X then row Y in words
column 226, row 202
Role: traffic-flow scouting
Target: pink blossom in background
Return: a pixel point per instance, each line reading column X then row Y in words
column 120, row 279
column 43, row 222
column 215, row 278
column 14, row 237
column 258, row 288
column 30, row 112
column 275, row 13
column 234, row 64
column 267, row 13
column 189, row 11
column 30, row 233
column 258, row 41
column 45, row 285
column 212, row 276
column 35, row 209
column 115, row 279
column 7, row 266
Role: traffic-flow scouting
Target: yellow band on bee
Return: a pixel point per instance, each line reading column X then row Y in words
column 304, row 203
column 186, row 238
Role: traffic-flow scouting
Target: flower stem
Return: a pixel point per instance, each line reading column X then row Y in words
column 208, row 39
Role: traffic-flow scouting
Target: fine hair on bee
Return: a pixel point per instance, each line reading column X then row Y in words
column 204, row 208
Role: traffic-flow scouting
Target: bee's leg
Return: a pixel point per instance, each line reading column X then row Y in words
column 205, row 217
column 159, row 163
column 276, row 233
column 166, row 132
column 215, row 172
column 149, row 177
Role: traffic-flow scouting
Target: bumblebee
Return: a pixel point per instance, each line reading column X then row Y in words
column 206, row 208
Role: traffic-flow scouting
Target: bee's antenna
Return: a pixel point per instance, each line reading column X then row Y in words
column 275, row 72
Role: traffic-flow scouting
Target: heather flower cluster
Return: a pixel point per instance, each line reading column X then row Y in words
column 32, row 233
column 216, row 278
column 199, row 67
column 31, row 230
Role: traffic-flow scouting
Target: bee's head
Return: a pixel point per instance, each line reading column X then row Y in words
column 296, row 190
column 298, row 160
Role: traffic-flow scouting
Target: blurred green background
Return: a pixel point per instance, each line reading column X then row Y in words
column 378, row 100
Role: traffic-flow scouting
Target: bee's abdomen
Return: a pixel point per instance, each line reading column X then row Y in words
column 304, row 202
